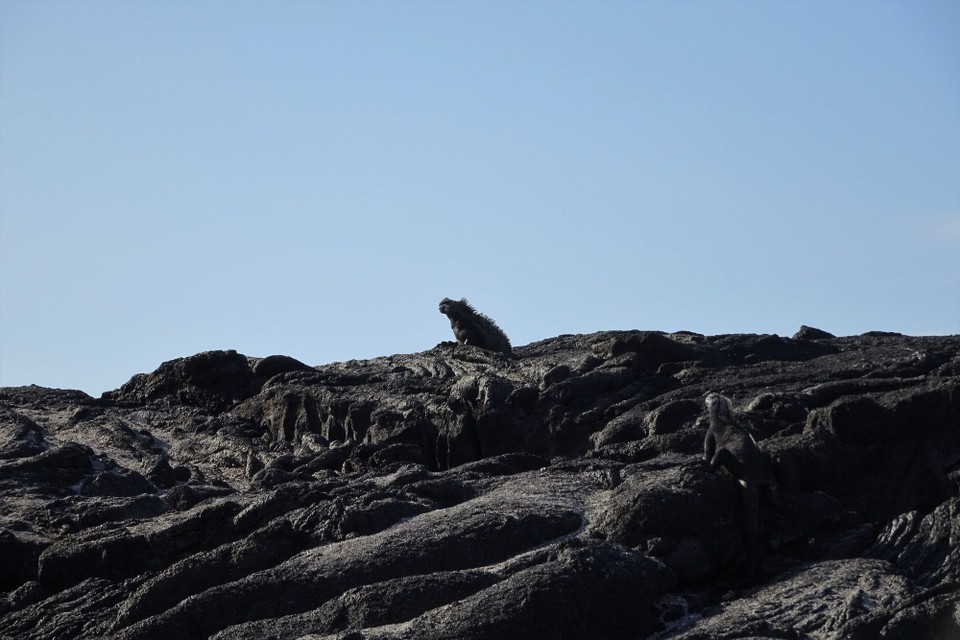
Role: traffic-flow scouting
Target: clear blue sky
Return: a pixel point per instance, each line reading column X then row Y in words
column 311, row 178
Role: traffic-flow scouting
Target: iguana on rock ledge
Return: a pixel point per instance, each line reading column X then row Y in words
column 472, row 327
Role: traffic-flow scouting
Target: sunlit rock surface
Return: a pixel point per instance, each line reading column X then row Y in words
column 460, row 493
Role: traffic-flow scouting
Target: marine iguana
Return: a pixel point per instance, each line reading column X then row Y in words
column 729, row 445
column 472, row 327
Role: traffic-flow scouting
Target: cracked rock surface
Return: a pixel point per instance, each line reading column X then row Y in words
column 460, row 493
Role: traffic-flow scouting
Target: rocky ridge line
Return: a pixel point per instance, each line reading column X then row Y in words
column 460, row 493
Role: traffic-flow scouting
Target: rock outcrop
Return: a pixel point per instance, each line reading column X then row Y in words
column 462, row 493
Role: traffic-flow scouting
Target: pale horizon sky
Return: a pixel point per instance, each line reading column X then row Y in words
column 311, row 178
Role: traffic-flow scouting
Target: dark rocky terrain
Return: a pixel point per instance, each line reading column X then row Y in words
column 459, row 493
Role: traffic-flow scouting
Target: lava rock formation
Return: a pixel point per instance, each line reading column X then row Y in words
column 460, row 493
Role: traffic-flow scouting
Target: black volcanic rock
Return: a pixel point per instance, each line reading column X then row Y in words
column 459, row 493
column 812, row 333
column 213, row 380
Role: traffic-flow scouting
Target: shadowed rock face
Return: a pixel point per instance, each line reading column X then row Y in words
column 458, row 493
